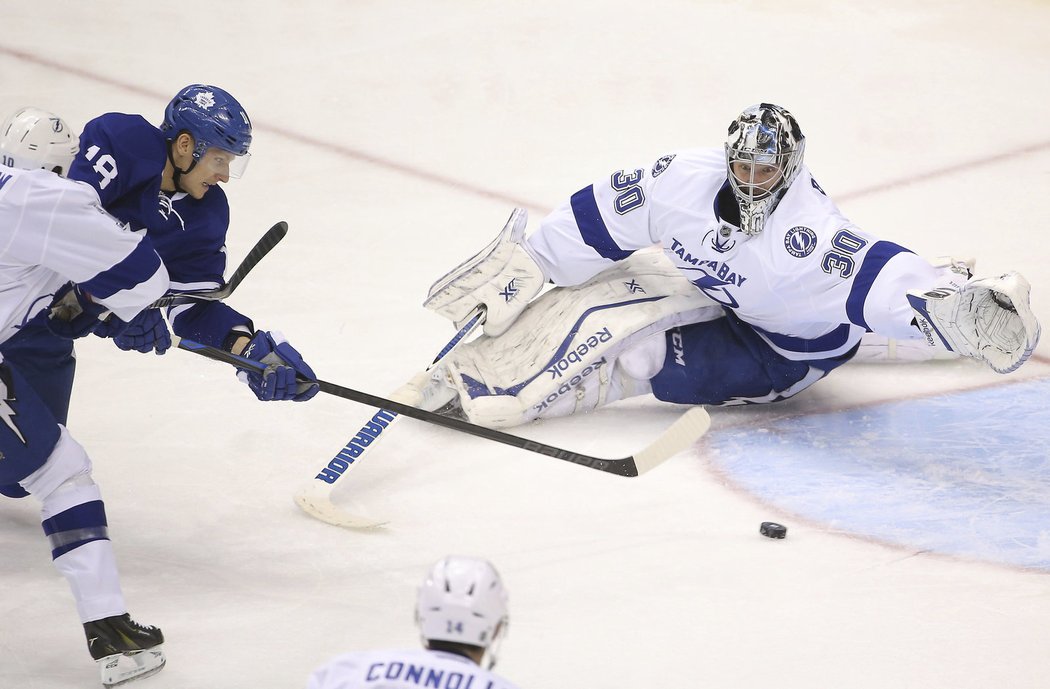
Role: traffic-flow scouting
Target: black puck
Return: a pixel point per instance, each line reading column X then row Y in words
column 773, row 530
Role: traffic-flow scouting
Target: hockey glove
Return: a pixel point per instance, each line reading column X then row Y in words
column 283, row 364
column 988, row 319
column 73, row 314
column 147, row 332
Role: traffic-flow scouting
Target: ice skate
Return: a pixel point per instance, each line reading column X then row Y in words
column 124, row 649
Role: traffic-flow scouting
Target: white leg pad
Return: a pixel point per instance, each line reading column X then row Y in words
column 574, row 349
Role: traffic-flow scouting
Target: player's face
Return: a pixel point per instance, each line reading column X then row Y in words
column 214, row 167
column 758, row 177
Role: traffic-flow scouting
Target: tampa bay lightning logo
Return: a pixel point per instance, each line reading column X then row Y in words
column 800, row 241
column 661, row 165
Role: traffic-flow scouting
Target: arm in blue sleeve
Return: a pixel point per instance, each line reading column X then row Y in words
column 208, row 322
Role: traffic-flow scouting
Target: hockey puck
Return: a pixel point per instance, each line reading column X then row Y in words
column 773, row 530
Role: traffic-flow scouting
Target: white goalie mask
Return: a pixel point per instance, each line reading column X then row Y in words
column 32, row 138
column 763, row 156
column 462, row 600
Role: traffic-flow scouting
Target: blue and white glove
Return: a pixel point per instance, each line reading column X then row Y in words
column 73, row 314
column 146, row 332
column 283, row 363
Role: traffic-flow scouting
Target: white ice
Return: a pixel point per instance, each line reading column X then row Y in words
column 395, row 137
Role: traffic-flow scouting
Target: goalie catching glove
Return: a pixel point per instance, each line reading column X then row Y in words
column 503, row 277
column 283, row 365
column 988, row 319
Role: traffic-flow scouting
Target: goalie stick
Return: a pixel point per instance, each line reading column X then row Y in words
column 262, row 247
column 315, row 498
column 678, row 436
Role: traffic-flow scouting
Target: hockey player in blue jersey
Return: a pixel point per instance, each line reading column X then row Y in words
column 167, row 181
column 761, row 289
column 64, row 263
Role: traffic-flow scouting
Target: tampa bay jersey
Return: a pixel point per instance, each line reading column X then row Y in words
column 123, row 158
column 810, row 284
column 407, row 669
column 53, row 231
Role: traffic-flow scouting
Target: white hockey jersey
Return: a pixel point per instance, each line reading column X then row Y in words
column 810, row 284
column 52, row 231
column 404, row 669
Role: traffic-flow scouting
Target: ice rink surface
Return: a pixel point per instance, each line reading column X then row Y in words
column 395, row 137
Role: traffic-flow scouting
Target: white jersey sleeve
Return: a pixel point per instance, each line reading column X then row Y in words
column 600, row 224
column 52, row 231
column 403, row 669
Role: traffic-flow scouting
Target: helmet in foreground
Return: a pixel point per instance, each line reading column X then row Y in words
column 32, row 138
column 213, row 118
column 462, row 600
column 763, row 156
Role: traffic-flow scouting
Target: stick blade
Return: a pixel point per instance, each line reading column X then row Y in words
column 317, row 502
column 685, row 431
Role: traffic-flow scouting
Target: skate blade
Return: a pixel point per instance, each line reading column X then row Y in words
column 121, row 668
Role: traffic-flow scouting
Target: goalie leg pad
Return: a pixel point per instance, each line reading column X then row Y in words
column 575, row 349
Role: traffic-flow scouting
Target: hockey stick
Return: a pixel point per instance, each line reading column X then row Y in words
column 316, row 497
column 262, row 247
column 680, row 435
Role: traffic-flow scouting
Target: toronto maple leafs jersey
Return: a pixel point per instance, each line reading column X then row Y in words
column 123, row 158
column 53, row 231
column 810, row 284
column 408, row 669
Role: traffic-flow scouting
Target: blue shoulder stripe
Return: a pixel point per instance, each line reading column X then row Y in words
column 137, row 267
column 874, row 261
column 592, row 227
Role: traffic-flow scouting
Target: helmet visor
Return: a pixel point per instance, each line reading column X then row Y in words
column 224, row 163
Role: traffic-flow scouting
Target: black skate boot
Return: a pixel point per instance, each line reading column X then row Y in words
column 125, row 650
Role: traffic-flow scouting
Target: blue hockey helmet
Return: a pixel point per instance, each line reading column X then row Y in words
column 212, row 117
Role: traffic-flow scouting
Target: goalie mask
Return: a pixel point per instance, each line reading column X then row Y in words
column 763, row 156
column 463, row 601
column 32, row 138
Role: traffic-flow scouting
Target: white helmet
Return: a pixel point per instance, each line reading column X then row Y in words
column 463, row 601
column 764, row 135
column 32, row 138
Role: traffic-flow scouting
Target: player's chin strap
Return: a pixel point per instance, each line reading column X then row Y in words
column 176, row 175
